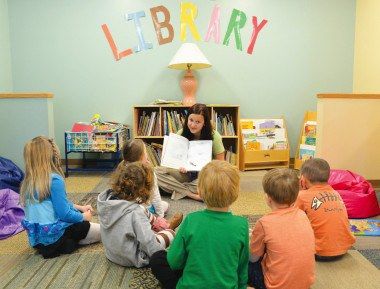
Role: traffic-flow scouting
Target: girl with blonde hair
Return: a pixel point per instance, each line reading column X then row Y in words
column 54, row 225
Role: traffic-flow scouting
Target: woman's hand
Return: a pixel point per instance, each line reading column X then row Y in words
column 182, row 170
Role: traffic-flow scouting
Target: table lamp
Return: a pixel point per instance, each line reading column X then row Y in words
column 189, row 57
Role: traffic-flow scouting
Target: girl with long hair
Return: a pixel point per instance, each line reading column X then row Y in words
column 54, row 225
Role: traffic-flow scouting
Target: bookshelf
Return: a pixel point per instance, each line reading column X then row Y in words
column 264, row 144
column 310, row 116
column 152, row 122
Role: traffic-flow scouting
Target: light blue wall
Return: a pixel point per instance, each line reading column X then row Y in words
column 306, row 48
column 20, row 121
column 5, row 52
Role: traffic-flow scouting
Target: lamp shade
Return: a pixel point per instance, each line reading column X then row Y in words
column 189, row 53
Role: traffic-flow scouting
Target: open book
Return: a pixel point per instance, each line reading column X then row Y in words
column 179, row 152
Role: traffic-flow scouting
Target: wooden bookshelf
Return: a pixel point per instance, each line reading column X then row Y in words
column 160, row 114
column 309, row 116
column 252, row 159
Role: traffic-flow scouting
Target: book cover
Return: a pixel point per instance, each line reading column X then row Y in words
column 306, row 152
column 253, row 145
column 247, row 124
column 310, row 129
column 365, row 227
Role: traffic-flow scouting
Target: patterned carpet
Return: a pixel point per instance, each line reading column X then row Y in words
column 20, row 267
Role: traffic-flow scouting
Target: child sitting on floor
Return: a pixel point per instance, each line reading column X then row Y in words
column 125, row 224
column 211, row 246
column 282, row 242
column 134, row 150
column 325, row 209
column 54, row 225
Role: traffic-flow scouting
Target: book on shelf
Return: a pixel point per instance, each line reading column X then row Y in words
column 308, row 140
column 173, row 120
column 179, row 152
column 267, row 134
column 247, row 124
column 223, row 124
column 148, row 124
column 306, row 152
column 231, row 156
column 154, row 152
column 310, row 129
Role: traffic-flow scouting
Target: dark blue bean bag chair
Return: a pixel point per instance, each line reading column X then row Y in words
column 11, row 175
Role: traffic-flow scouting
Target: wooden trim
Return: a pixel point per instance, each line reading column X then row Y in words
column 349, row 96
column 184, row 106
column 375, row 184
column 27, row 95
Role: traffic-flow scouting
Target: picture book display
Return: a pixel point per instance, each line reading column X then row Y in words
column 365, row 227
column 179, row 152
column 264, row 134
column 308, row 140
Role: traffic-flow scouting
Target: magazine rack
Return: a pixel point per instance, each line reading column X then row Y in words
column 309, row 116
column 252, row 159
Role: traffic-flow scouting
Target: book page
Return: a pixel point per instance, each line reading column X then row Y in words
column 175, row 150
column 199, row 155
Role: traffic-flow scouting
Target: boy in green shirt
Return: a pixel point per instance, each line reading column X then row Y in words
column 211, row 247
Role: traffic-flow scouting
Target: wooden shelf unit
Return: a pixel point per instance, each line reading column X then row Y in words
column 309, row 116
column 263, row 159
column 228, row 141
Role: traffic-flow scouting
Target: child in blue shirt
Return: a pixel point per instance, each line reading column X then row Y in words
column 54, row 225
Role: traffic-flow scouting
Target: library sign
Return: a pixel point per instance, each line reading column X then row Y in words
column 188, row 13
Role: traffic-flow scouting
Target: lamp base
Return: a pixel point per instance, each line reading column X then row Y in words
column 189, row 101
column 189, row 87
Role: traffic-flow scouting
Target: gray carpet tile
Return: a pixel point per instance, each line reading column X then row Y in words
column 373, row 255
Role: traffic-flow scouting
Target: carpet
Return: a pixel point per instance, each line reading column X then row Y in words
column 20, row 267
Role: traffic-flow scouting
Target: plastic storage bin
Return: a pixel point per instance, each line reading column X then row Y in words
column 95, row 142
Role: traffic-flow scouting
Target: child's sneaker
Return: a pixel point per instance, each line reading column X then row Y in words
column 175, row 221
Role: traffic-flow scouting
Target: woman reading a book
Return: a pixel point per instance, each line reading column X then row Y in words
column 197, row 126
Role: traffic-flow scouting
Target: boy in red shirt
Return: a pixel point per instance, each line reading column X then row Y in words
column 326, row 211
column 282, row 242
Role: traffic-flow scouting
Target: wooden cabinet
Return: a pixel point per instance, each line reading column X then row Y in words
column 152, row 122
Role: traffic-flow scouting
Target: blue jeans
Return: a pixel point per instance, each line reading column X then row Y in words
column 255, row 275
